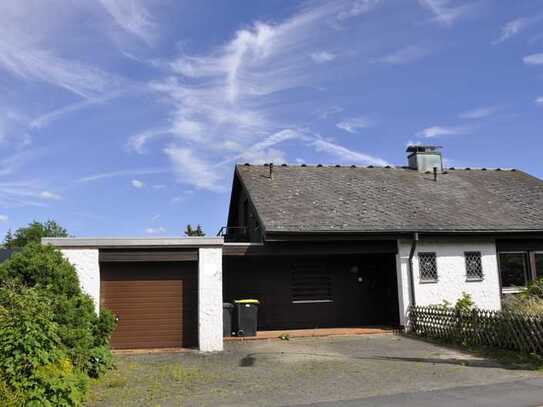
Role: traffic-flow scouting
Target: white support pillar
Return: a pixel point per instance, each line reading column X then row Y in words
column 210, row 299
column 87, row 267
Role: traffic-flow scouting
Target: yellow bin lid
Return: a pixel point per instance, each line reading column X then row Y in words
column 248, row 301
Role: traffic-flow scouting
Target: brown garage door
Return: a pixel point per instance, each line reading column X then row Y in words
column 156, row 303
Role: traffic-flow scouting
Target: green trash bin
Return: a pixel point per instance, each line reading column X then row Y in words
column 246, row 317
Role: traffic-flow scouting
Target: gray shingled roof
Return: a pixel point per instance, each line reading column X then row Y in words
column 324, row 199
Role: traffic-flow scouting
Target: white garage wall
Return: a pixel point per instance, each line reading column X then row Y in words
column 210, row 299
column 88, row 270
column 451, row 281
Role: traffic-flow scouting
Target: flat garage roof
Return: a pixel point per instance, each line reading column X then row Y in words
column 128, row 243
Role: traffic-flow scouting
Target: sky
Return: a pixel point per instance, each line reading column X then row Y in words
column 126, row 117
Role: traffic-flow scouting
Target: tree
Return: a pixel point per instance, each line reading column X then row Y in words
column 194, row 232
column 33, row 234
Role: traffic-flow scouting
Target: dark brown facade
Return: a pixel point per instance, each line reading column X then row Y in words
column 156, row 303
column 312, row 291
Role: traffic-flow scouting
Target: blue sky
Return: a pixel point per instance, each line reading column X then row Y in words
column 126, row 117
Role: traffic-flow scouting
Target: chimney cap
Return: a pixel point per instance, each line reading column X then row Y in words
column 419, row 148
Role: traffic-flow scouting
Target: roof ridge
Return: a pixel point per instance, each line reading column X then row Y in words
column 395, row 167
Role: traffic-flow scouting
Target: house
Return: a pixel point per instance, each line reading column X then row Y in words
column 5, row 254
column 325, row 246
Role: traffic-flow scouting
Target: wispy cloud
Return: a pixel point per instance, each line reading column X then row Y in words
column 29, row 63
column 357, row 8
column 13, row 127
column 330, row 111
column 346, row 155
column 354, row 124
column 136, row 183
column 122, row 173
column 17, row 194
column 33, row 50
column 445, row 12
column 4, row 218
column 479, row 113
column 533, row 59
column 193, row 170
column 438, row 131
column 155, row 230
column 539, row 101
column 404, row 55
column 133, row 17
column 138, row 141
column 52, row 196
column 322, row 56
column 514, row 27
column 220, row 100
column 46, row 119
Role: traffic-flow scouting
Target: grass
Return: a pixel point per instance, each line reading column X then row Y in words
column 509, row 359
column 136, row 381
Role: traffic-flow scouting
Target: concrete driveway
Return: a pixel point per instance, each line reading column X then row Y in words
column 336, row 371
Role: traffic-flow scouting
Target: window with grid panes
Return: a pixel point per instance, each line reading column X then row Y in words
column 428, row 266
column 474, row 266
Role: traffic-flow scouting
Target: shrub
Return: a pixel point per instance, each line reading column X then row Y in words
column 34, row 369
column 79, row 329
column 464, row 303
column 526, row 302
column 535, row 289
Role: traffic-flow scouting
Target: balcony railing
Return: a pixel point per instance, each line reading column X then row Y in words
column 237, row 233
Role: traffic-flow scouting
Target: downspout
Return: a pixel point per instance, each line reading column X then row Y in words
column 411, row 276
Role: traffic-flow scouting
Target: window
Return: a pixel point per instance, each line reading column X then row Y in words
column 539, row 265
column 513, row 269
column 428, row 266
column 311, row 282
column 474, row 266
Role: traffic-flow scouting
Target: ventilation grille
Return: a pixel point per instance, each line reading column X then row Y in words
column 311, row 282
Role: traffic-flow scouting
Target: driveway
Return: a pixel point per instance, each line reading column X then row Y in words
column 336, row 371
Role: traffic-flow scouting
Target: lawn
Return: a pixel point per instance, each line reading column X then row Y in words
column 146, row 381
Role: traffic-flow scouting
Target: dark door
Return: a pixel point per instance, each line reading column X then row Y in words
column 156, row 303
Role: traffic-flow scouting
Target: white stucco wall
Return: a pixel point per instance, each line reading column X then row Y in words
column 210, row 301
column 88, row 270
column 451, row 274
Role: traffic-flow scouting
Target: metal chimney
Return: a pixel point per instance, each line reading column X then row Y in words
column 425, row 158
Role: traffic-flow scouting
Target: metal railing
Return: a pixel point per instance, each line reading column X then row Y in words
column 238, row 233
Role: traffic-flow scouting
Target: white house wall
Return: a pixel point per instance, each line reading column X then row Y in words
column 210, row 304
column 451, row 282
column 88, row 270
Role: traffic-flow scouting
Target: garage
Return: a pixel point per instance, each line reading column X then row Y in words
column 155, row 303
column 166, row 292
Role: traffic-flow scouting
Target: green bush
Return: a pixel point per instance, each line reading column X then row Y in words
column 34, row 369
column 526, row 302
column 79, row 329
column 465, row 303
column 535, row 289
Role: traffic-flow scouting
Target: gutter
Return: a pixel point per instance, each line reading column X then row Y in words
column 411, row 276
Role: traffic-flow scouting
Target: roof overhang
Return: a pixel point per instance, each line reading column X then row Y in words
column 272, row 235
